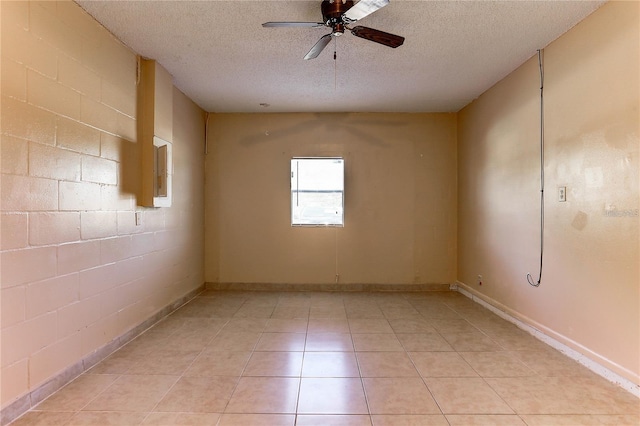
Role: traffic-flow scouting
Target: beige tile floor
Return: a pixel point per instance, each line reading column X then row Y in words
column 272, row 358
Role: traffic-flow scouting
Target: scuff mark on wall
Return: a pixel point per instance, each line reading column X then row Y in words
column 580, row 220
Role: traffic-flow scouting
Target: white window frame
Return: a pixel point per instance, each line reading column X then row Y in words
column 322, row 202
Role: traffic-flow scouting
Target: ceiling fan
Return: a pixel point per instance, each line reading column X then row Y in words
column 338, row 15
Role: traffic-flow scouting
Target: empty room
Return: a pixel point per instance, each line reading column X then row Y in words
column 320, row 212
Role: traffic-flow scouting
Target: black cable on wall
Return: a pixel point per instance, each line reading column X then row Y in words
column 541, row 67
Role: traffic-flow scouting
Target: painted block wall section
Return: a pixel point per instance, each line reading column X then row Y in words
column 590, row 292
column 76, row 271
column 400, row 199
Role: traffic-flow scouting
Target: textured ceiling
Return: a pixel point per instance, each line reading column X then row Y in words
column 223, row 59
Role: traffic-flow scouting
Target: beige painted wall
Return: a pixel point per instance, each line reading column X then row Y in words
column 76, row 271
column 400, row 199
column 590, row 292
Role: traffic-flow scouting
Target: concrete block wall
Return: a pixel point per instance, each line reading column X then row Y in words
column 77, row 271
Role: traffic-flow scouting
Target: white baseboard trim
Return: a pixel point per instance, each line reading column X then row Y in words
column 593, row 361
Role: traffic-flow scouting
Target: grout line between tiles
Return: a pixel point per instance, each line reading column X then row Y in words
column 387, row 307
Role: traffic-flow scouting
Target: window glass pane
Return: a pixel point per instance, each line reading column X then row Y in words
column 317, row 191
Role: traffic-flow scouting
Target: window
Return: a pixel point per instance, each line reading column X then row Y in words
column 317, row 192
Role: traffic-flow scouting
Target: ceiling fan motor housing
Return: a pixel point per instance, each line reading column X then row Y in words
column 332, row 11
column 338, row 15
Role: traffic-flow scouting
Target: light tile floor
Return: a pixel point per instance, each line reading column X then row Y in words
column 307, row 358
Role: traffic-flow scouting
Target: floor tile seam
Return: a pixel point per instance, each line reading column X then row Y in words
column 239, row 378
column 459, row 353
column 71, row 422
column 515, row 411
column 306, row 337
column 435, row 331
column 224, row 411
column 364, row 389
column 462, row 358
column 579, row 399
column 128, row 411
column 146, row 416
column 92, row 399
column 404, row 348
column 331, row 415
column 485, row 334
column 364, row 393
column 298, row 398
column 211, row 339
column 97, row 411
column 422, row 379
column 536, row 372
column 443, row 335
column 355, row 355
column 498, row 377
column 199, row 353
column 447, row 416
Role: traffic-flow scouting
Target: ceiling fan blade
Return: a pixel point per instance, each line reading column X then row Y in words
column 293, row 24
column 362, row 9
column 318, row 47
column 378, row 36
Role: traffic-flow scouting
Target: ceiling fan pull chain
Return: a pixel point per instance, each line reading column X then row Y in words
column 335, row 65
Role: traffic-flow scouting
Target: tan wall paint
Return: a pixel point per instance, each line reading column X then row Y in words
column 400, row 198
column 590, row 291
column 76, row 271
